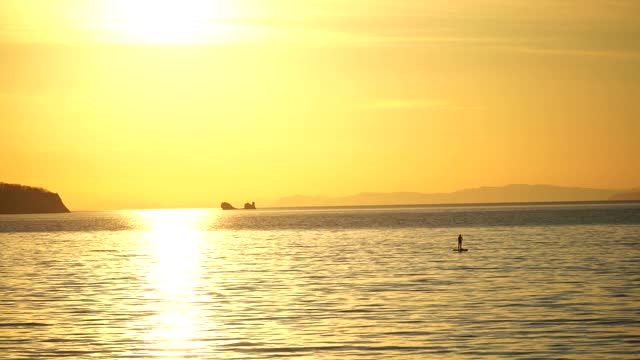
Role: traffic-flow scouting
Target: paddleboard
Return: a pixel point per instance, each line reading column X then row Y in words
column 461, row 250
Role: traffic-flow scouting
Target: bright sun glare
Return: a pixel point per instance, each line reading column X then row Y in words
column 166, row 21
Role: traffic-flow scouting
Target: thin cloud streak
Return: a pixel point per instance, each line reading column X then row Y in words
column 578, row 52
column 403, row 104
column 413, row 104
column 522, row 45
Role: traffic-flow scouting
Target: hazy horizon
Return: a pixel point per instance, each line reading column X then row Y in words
column 507, row 194
column 276, row 202
column 171, row 104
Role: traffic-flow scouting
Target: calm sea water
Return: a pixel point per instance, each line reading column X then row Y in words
column 537, row 282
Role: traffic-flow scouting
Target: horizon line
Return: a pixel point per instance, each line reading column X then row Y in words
column 363, row 206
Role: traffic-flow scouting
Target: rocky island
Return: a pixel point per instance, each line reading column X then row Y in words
column 247, row 206
column 20, row 199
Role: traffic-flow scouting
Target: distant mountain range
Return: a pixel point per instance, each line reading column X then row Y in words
column 517, row 193
column 633, row 194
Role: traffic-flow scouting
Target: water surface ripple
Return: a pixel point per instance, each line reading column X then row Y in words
column 353, row 284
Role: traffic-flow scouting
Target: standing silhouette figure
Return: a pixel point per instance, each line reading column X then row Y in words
column 460, row 242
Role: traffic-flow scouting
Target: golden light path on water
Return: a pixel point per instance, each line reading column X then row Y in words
column 175, row 239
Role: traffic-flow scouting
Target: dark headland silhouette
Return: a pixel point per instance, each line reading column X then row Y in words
column 517, row 193
column 247, row 206
column 21, row 199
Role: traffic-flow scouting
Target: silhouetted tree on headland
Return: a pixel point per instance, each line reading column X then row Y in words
column 21, row 199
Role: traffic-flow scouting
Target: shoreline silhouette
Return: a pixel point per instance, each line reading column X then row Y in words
column 22, row 199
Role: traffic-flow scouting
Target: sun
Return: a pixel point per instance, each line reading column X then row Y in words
column 165, row 21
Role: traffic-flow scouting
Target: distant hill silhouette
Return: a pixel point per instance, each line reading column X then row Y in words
column 633, row 194
column 503, row 194
column 20, row 199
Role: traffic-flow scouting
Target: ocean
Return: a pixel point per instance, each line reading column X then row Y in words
column 538, row 282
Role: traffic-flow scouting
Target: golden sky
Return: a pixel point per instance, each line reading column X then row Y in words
column 186, row 103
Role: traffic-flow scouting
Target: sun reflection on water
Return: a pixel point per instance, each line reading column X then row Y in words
column 175, row 239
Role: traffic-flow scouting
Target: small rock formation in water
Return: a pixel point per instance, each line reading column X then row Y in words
column 227, row 206
column 247, row 206
column 20, row 199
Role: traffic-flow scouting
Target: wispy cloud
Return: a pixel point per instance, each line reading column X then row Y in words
column 340, row 37
column 578, row 52
column 403, row 104
column 568, row 28
column 413, row 104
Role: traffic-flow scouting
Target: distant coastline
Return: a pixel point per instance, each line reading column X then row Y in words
column 509, row 194
column 22, row 199
column 454, row 205
column 632, row 195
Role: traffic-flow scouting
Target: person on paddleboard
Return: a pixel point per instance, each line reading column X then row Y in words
column 460, row 242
